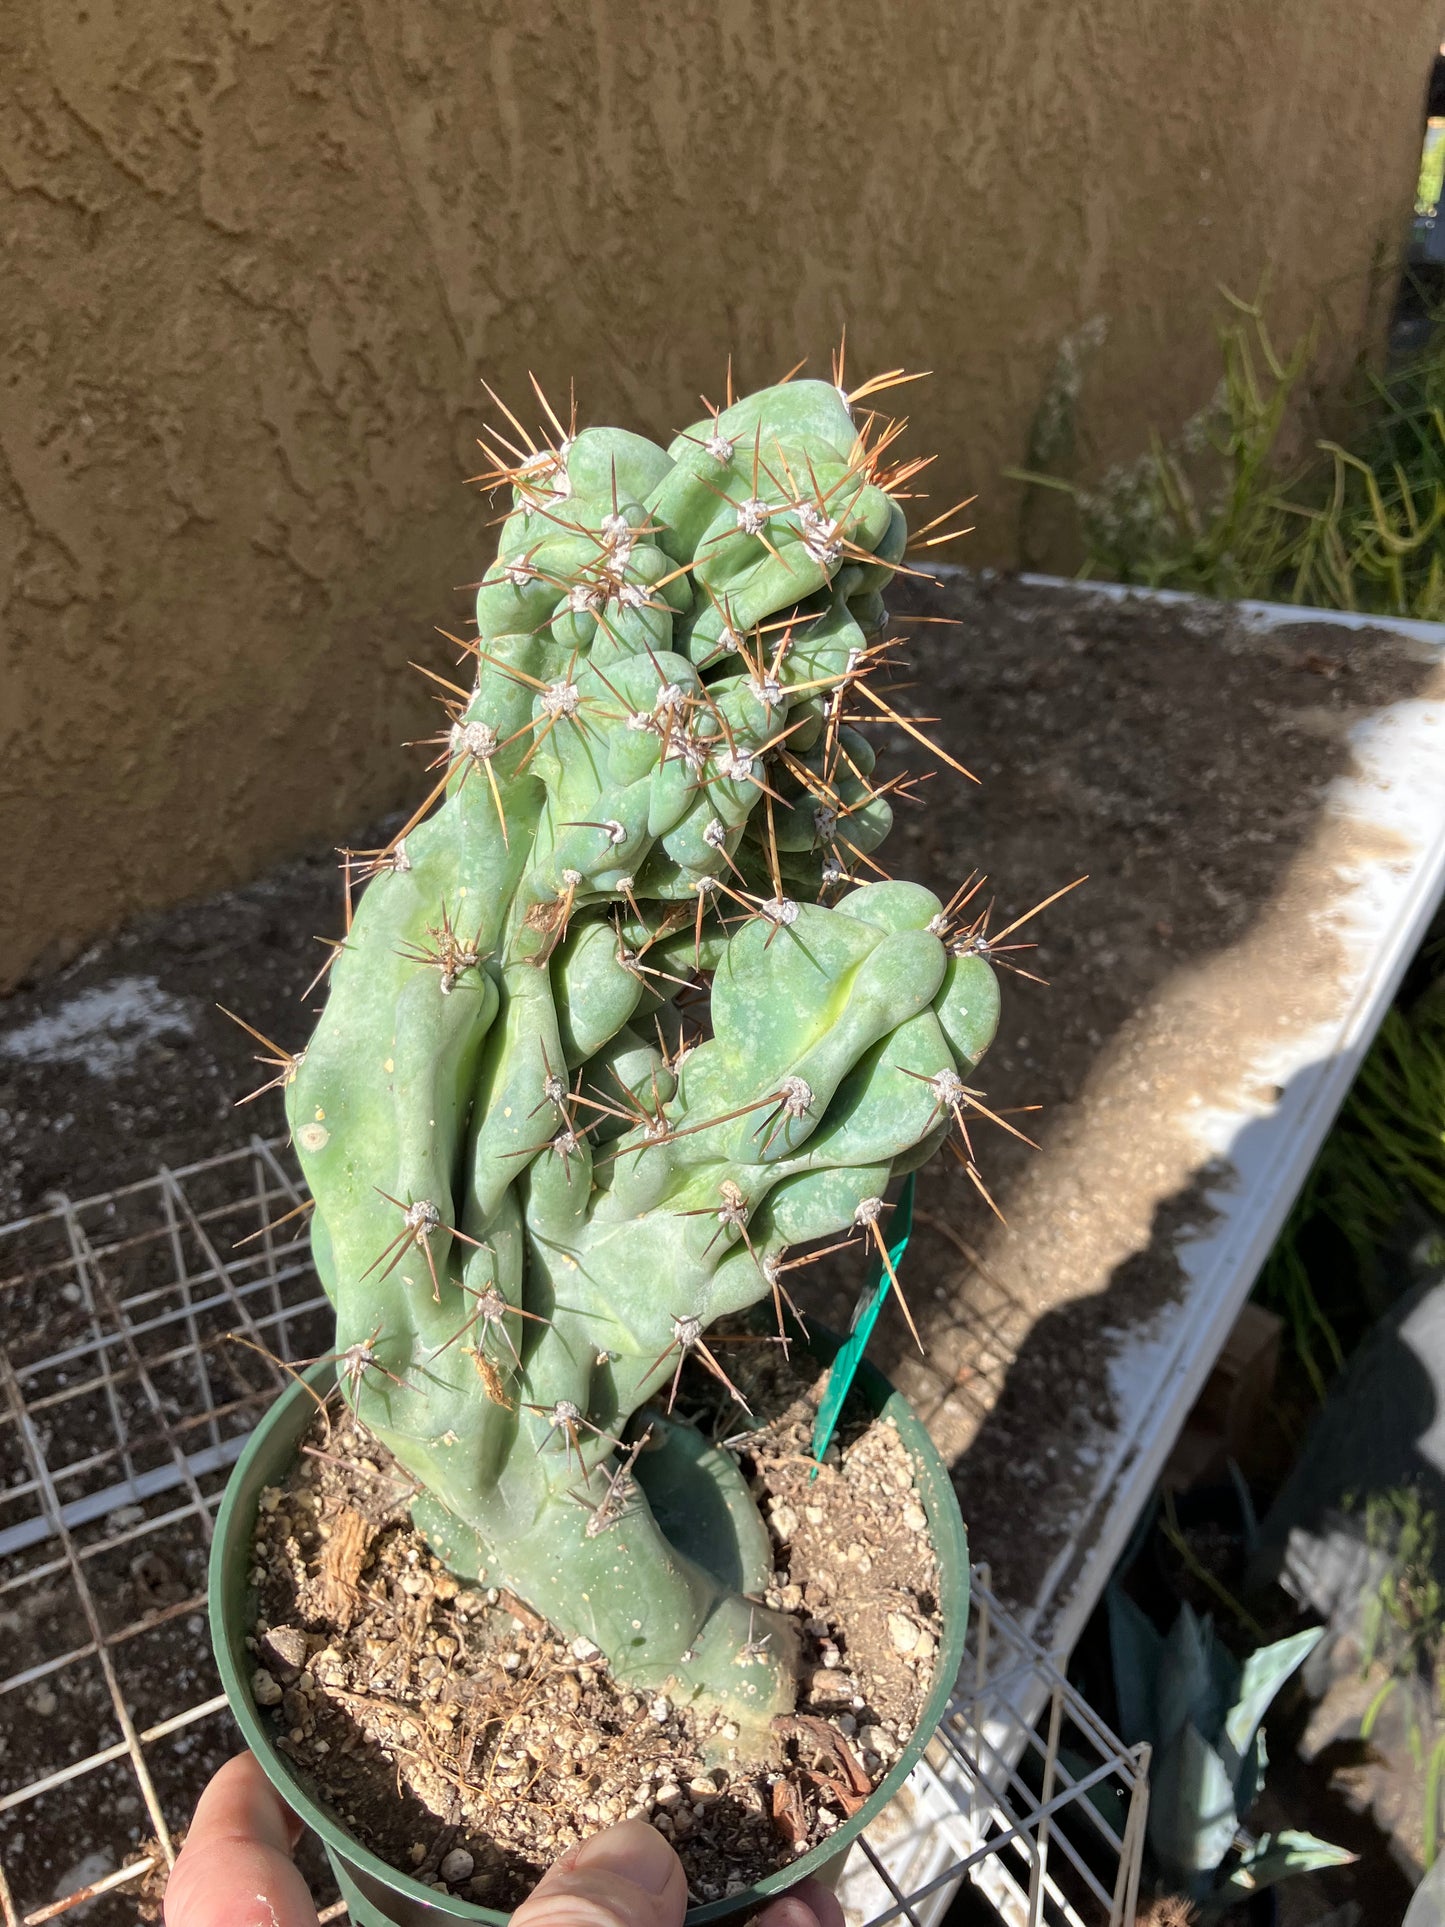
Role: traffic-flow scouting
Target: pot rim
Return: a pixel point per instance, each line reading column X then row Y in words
column 228, row 1597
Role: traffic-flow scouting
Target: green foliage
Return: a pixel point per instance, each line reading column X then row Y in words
column 1405, row 1617
column 615, row 1025
column 1201, row 1713
column 1432, row 169
column 1358, row 525
column 1403, row 1634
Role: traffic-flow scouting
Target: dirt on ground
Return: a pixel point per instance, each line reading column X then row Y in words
column 1175, row 756
column 457, row 1735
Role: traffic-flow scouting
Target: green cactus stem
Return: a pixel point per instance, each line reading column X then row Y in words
column 620, row 1020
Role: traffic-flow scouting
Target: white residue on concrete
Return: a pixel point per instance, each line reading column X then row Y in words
column 104, row 1029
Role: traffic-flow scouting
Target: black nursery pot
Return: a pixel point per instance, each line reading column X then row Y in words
column 377, row 1894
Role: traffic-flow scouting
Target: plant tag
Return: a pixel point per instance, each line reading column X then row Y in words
column 849, row 1355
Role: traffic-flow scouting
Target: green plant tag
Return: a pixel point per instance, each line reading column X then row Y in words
column 865, row 1316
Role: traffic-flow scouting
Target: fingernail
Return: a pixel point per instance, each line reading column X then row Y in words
column 788, row 1912
column 633, row 1851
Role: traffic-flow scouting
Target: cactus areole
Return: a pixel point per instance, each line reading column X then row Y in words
column 628, row 1012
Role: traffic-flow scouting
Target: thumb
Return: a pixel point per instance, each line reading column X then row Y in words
column 235, row 1869
column 627, row 1876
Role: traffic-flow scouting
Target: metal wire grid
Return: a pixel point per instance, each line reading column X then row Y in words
column 122, row 1408
column 1057, row 1801
column 124, row 1401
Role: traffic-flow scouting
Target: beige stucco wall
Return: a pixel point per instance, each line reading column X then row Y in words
column 256, row 255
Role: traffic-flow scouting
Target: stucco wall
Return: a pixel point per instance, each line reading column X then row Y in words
column 256, row 255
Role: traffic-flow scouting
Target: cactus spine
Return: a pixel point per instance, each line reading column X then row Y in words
column 540, row 1173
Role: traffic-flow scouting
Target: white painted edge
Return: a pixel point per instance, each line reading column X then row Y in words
column 1381, row 915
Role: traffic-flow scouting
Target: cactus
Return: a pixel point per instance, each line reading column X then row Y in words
column 616, row 1024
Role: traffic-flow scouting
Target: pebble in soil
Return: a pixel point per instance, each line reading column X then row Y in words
column 455, row 1734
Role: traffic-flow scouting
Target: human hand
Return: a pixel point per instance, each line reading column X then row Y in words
column 235, row 1870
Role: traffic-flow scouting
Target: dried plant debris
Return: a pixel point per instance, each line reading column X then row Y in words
column 456, row 1735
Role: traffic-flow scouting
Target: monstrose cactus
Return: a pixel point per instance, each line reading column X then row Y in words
column 620, row 1019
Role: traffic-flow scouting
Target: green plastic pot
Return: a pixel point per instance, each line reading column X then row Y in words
column 376, row 1894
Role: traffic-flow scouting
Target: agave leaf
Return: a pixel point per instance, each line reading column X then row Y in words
column 1136, row 1651
column 1193, row 1687
column 1192, row 1821
column 1246, row 1507
column 1264, row 1673
column 1224, row 1676
column 1274, row 1855
column 1250, row 1774
column 1104, row 1796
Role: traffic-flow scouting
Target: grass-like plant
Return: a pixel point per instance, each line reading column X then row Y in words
column 1402, row 1632
column 1224, row 510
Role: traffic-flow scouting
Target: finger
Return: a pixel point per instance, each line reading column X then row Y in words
column 627, row 1876
column 809, row 1904
column 235, row 1869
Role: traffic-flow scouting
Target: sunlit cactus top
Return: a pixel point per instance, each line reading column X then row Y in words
column 629, row 1015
